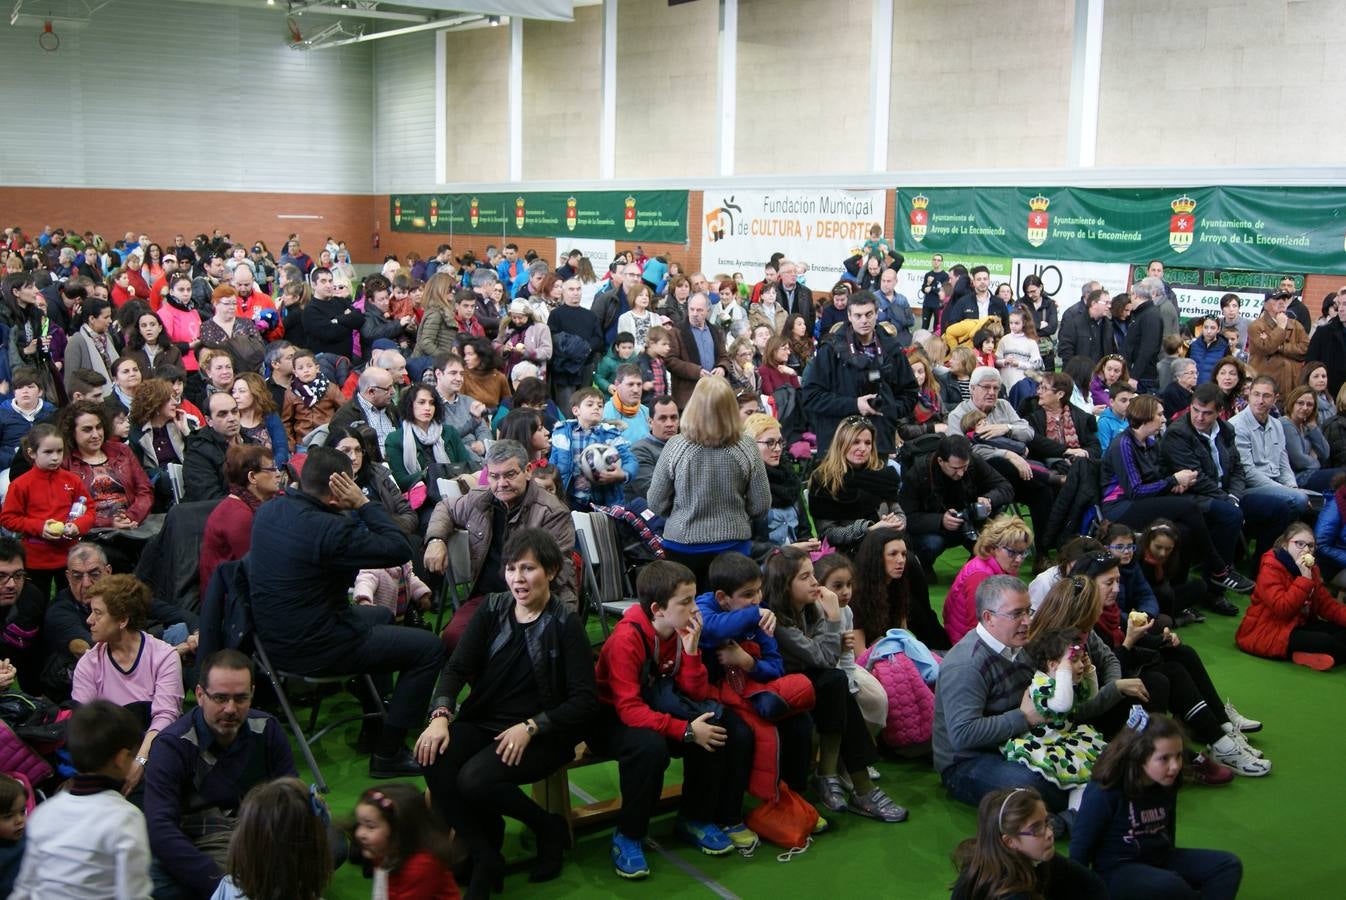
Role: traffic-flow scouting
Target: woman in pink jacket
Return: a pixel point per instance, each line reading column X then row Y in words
column 1000, row 550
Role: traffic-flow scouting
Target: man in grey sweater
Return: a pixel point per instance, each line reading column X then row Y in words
column 982, row 700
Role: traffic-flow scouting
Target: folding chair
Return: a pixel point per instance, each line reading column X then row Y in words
column 457, row 577
column 306, row 741
column 605, row 583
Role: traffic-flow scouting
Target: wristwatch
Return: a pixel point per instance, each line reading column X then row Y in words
column 689, row 736
column 142, row 761
column 531, row 727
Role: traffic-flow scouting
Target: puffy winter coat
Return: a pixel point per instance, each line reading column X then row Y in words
column 1282, row 601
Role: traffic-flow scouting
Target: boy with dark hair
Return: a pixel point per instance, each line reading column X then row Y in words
column 568, row 443
column 623, row 349
column 90, row 841
column 731, row 616
column 657, row 703
column 1112, row 421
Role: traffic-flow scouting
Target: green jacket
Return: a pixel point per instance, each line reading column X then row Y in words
column 392, row 452
column 607, row 371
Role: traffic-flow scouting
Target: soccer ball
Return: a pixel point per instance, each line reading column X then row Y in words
column 598, row 458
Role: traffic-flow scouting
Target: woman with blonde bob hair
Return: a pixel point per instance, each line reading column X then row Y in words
column 1000, row 550
column 852, row 490
column 710, row 482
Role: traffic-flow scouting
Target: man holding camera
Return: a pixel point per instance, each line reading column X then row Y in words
column 860, row 368
column 946, row 494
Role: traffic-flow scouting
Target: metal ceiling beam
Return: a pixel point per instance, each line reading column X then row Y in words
column 369, row 11
column 437, row 24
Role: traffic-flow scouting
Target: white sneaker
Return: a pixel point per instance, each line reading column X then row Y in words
column 1241, row 740
column 873, row 773
column 1239, row 720
column 1230, row 753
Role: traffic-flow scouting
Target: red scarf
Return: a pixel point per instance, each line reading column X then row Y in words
column 1111, row 620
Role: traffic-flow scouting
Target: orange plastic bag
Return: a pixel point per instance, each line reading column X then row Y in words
column 787, row 822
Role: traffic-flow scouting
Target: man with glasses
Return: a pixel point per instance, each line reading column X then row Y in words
column 982, row 700
column 945, row 495
column 860, row 368
column 1002, row 421
column 23, row 604
column 1271, row 498
column 204, row 450
column 509, row 501
column 609, row 305
column 65, row 628
column 1086, row 328
column 372, row 404
column 199, row 769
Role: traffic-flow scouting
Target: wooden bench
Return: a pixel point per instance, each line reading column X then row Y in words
column 553, row 794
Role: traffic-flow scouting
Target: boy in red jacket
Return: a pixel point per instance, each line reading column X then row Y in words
column 657, row 640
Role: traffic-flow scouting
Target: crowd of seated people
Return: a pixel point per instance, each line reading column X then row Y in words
column 799, row 461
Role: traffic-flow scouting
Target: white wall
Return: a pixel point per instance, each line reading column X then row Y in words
column 184, row 96
column 404, row 112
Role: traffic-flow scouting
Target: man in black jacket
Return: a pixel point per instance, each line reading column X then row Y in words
column 1145, row 334
column 329, row 322
column 940, row 492
column 795, row 298
column 1200, row 441
column 859, row 368
column 1328, row 346
column 1086, row 329
column 979, row 304
column 300, row 574
column 204, row 450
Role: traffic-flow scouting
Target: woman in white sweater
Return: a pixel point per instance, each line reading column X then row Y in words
column 710, row 481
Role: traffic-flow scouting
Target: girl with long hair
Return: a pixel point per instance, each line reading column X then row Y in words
column 1127, row 828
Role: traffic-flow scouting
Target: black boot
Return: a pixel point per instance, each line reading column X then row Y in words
column 553, row 839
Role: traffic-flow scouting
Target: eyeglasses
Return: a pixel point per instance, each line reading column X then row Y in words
column 1017, row 615
column 1305, row 545
column 773, row 444
column 72, row 575
column 237, row 699
column 1037, row 829
column 1122, row 548
column 377, row 387
column 1015, row 554
column 13, row 577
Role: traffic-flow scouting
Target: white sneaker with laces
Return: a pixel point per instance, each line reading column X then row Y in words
column 1238, row 738
column 1228, row 752
column 1239, row 720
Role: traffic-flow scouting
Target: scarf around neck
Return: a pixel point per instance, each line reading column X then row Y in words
column 624, row 410
column 309, row 394
column 412, row 436
column 784, row 484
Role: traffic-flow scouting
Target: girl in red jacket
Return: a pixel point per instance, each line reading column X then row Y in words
column 39, row 504
column 1292, row 613
column 408, row 847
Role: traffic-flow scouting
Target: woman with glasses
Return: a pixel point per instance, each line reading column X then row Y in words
column 1138, row 488
column 254, row 478
column 1000, row 550
column 1293, row 614
column 128, row 667
column 852, row 490
column 1159, row 671
column 360, row 444
column 786, row 522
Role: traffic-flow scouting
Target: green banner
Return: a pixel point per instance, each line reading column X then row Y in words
column 656, row 216
column 1255, row 228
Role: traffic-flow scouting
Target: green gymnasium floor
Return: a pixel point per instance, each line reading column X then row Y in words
column 1267, row 821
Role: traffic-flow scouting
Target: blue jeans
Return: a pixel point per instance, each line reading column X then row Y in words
column 1194, row 874
column 1269, row 509
column 968, row 780
column 930, row 545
